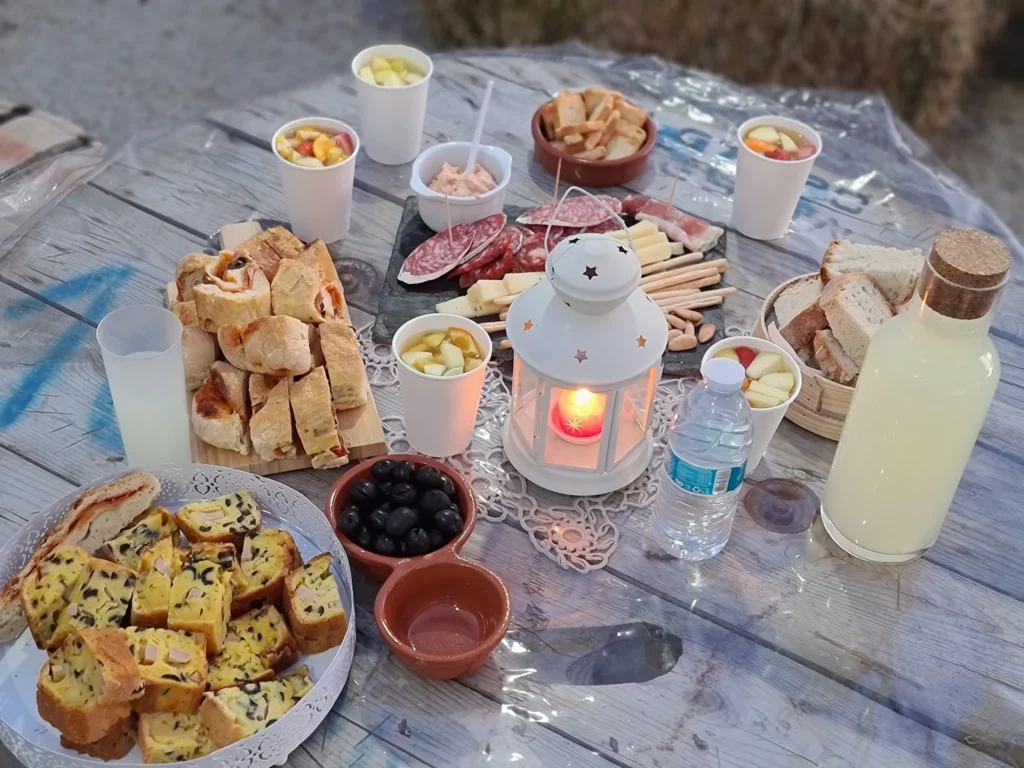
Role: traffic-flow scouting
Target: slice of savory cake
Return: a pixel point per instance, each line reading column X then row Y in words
column 224, row 519
column 173, row 666
column 100, row 598
column 312, row 602
column 173, row 737
column 200, row 601
column 266, row 558
column 127, row 547
column 44, row 592
column 257, row 644
column 232, row 714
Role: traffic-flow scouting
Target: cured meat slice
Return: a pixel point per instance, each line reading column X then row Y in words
column 531, row 257
column 495, row 270
column 614, row 224
column 695, row 234
column 497, row 246
column 557, row 233
column 438, row 255
column 484, row 231
column 575, row 212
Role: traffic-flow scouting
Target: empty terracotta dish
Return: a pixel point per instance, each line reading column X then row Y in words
column 440, row 613
column 591, row 173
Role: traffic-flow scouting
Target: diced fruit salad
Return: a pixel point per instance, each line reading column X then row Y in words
column 390, row 73
column 779, row 143
column 443, row 353
column 314, row 147
column 768, row 382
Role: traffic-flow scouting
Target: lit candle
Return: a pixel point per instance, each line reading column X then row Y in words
column 579, row 414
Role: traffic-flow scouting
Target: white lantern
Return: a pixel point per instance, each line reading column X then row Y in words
column 588, row 345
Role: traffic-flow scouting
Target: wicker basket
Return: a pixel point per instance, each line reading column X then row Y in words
column 822, row 405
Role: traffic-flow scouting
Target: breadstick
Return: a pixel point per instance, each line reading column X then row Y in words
column 493, row 327
column 688, row 314
column 689, row 302
column 677, row 278
column 706, row 332
column 676, row 322
column 675, row 294
column 729, row 290
column 505, row 301
column 503, row 315
column 677, row 261
column 719, row 265
column 682, row 343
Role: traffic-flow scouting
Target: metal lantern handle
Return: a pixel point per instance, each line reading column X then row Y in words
column 599, row 201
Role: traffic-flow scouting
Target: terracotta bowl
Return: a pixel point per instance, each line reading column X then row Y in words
column 440, row 613
column 592, row 173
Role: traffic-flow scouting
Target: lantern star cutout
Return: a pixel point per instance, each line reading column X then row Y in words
column 528, row 325
column 622, row 249
column 574, row 240
column 641, row 341
column 581, row 355
column 590, row 273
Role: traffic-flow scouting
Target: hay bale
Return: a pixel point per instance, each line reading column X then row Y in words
column 917, row 52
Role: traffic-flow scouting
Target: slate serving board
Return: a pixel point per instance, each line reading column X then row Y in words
column 400, row 303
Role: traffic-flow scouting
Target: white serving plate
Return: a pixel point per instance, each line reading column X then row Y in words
column 37, row 744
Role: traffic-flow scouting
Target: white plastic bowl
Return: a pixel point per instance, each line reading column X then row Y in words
column 433, row 211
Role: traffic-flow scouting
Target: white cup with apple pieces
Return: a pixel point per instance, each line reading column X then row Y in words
column 439, row 412
column 319, row 199
column 764, row 420
column 392, row 116
column 767, row 190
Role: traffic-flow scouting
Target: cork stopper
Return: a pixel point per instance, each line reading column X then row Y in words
column 964, row 271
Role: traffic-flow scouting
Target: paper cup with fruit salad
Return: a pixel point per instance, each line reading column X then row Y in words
column 775, row 158
column 442, row 363
column 392, row 83
column 772, row 383
column 317, row 158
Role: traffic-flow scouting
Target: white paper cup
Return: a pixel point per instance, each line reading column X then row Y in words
column 439, row 412
column 392, row 118
column 767, row 191
column 319, row 199
column 763, row 421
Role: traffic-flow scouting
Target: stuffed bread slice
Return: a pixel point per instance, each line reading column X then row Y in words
column 295, row 289
column 344, row 364
column 219, row 411
column 191, row 272
column 268, row 248
column 260, row 387
column 250, row 301
column 316, row 422
column 271, row 427
column 199, row 351
column 277, row 346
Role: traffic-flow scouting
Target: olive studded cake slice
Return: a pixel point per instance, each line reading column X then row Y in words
column 313, row 605
column 257, row 644
column 200, row 601
column 100, row 598
column 113, row 745
column 224, row 519
column 173, row 737
column 44, row 592
column 266, row 558
column 173, row 666
column 127, row 547
column 159, row 564
column 232, row 714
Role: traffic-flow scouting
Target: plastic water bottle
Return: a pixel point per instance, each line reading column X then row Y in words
column 700, row 483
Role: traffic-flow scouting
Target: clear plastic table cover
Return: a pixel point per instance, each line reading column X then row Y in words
column 778, row 652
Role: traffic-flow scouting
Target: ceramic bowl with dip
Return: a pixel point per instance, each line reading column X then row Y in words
column 441, row 614
column 431, row 164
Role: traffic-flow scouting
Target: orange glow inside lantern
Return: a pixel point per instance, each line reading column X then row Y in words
column 577, row 415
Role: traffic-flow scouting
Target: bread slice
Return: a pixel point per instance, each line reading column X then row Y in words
column 173, row 667
column 592, row 97
column 216, row 306
column 312, row 602
column 127, row 547
column 340, row 346
column 832, row 360
column 295, row 289
column 198, row 351
column 798, row 313
column 264, row 561
column 621, row 146
column 631, row 113
column 271, row 430
column 216, row 423
column 895, row 271
column 277, row 346
column 268, row 248
column 114, row 744
column 89, row 685
column 569, row 109
column 191, row 271
column 855, row 308
column 98, row 515
column 173, row 737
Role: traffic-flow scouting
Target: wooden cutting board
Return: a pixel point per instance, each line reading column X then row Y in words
column 361, row 429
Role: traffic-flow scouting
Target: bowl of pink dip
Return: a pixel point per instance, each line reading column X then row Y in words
column 439, row 173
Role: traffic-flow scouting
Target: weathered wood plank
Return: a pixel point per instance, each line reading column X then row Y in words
column 340, row 742
column 27, row 489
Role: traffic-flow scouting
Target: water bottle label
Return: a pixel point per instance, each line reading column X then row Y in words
column 706, row 482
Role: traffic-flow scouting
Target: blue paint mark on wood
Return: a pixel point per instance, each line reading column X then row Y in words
column 100, row 288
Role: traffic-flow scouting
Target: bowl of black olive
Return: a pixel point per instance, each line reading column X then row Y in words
column 399, row 507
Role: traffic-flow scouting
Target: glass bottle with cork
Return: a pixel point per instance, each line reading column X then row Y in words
column 923, row 392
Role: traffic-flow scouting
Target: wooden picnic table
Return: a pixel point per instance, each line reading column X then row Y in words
column 792, row 653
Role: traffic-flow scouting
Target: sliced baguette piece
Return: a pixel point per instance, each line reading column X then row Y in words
column 832, row 360
column 895, row 271
column 855, row 308
column 798, row 313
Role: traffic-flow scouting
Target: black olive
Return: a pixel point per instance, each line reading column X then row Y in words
column 403, row 495
column 251, row 688
column 363, row 538
column 448, row 487
column 433, row 501
column 417, row 542
column 448, row 522
column 401, row 520
column 384, row 489
column 436, row 539
column 402, row 473
column 351, row 508
column 384, row 545
column 428, row 477
column 378, row 520
column 363, row 493
column 350, row 522
column 381, row 471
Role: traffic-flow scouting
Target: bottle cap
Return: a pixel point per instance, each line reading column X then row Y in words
column 964, row 273
column 723, row 375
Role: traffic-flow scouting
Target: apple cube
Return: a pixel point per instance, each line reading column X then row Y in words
column 765, row 133
column 764, row 389
column 728, row 354
column 367, row 74
column 758, row 400
column 782, row 381
column 417, row 359
column 379, row 64
column 412, row 77
column 787, row 143
column 452, row 356
column 766, row 362
column 433, row 369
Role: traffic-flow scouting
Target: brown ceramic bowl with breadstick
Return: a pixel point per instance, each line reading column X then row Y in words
column 598, row 137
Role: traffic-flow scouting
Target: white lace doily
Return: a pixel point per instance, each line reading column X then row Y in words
column 575, row 533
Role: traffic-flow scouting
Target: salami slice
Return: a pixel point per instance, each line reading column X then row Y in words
column 574, row 212
column 614, row 224
column 531, row 257
column 484, row 232
column 495, row 270
column 557, row 233
column 437, row 256
column 496, row 248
